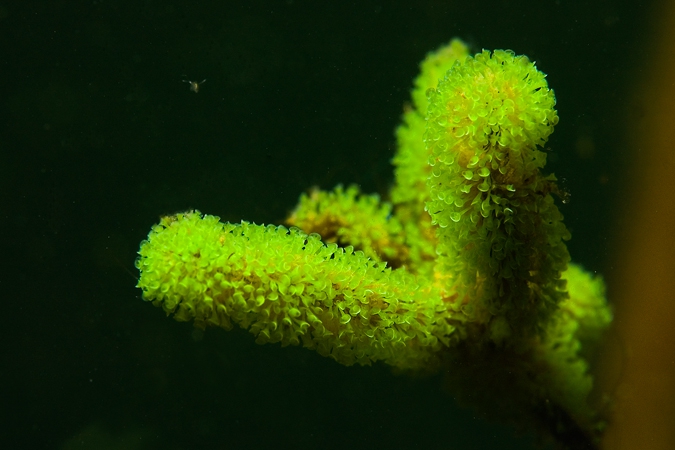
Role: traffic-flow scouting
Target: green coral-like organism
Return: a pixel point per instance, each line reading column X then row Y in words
column 465, row 270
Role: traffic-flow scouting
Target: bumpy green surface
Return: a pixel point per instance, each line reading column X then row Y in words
column 287, row 286
column 499, row 229
column 466, row 268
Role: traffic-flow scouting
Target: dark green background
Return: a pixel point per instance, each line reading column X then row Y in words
column 99, row 137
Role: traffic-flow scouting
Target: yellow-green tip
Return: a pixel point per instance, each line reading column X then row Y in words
column 493, row 99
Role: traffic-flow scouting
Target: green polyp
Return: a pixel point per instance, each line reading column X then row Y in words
column 259, row 300
column 484, row 172
column 484, row 186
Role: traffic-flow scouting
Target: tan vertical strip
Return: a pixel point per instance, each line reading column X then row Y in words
column 644, row 290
